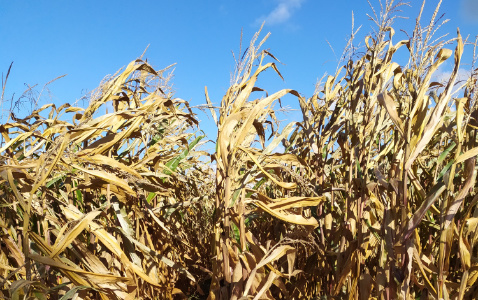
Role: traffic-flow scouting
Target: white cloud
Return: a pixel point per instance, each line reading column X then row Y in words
column 442, row 75
column 281, row 13
column 279, row 149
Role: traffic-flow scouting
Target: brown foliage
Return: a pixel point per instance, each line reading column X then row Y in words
column 373, row 196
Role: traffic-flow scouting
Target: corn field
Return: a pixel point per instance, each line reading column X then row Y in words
column 373, row 197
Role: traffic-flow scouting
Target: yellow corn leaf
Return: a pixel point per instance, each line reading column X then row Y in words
column 256, row 111
column 418, row 261
column 293, row 202
column 105, row 143
column 93, row 277
column 211, row 109
column 286, row 185
column 66, row 240
column 52, row 165
column 437, row 113
column 460, row 103
column 468, row 154
column 290, row 218
column 270, row 257
column 389, row 104
column 108, row 177
column 16, row 139
column 105, row 160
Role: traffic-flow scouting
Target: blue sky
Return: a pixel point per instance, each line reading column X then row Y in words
column 89, row 39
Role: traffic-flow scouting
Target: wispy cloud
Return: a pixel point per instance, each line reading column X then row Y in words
column 442, row 75
column 279, row 149
column 281, row 13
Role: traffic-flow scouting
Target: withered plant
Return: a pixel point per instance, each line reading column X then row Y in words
column 372, row 197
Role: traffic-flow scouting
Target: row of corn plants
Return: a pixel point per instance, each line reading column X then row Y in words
column 373, row 196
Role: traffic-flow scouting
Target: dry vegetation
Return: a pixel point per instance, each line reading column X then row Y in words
column 373, row 197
